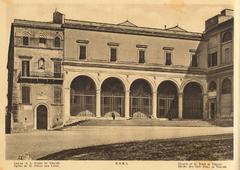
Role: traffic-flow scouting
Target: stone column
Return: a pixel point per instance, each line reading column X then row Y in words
column 205, row 106
column 154, row 104
column 66, row 110
column 127, row 101
column 98, row 103
column 180, row 105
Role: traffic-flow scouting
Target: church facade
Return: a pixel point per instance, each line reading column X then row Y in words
column 67, row 69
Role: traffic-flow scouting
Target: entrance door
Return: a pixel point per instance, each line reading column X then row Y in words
column 213, row 109
column 41, row 117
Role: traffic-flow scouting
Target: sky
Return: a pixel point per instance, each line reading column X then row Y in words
column 189, row 15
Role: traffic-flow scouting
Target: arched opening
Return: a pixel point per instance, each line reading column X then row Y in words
column 212, row 86
column 227, row 36
column 42, row 117
column 226, row 86
column 41, row 64
column 212, row 99
column 140, row 99
column 112, row 100
column 192, row 101
column 167, row 105
column 83, row 97
column 57, row 42
column 226, row 98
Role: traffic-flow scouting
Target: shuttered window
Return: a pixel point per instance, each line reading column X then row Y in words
column 57, row 95
column 26, row 95
column 57, row 69
column 25, row 68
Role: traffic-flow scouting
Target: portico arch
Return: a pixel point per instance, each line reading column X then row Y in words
column 112, row 97
column 140, row 98
column 82, row 96
column 193, row 101
column 167, row 102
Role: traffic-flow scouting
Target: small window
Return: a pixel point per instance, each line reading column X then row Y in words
column 57, row 69
column 113, row 53
column 194, row 60
column 57, row 95
column 41, row 64
column 212, row 59
column 141, row 55
column 42, row 40
column 26, row 95
column 57, row 42
column 25, row 68
column 226, row 86
column 25, row 40
column 83, row 51
column 168, row 58
column 212, row 86
column 227, row 36
column 227, row 56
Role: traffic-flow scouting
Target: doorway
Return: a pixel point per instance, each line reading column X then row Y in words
column 42, row 117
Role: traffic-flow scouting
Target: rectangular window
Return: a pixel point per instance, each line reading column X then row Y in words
column 194, row 60
column 25, row 41
column 212, row 59
column 168, row 58
column 113, row 53
column 57, row 95
column 42, row 40
column 25, row 68
column 26, row 95
column 227, row 56
column 82, row 52
column 57, row 69
column 141, row 55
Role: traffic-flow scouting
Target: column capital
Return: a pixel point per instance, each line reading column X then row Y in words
column 180, row 93
column 66, row 88
column 127, row 91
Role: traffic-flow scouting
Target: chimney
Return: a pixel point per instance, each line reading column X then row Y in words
column 165, row 26
column 227, row 12
column 58, row 18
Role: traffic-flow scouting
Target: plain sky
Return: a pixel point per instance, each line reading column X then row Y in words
column 188, row 16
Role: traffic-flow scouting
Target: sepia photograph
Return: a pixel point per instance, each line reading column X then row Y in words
column 119, row 82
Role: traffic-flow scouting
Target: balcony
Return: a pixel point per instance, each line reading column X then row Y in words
column 36, row 77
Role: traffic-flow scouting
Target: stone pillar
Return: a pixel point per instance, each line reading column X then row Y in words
column 127, row 101
column 98, row 103
column 66, row 110
column 180, row 105
column 154, row 104
column 205, row 106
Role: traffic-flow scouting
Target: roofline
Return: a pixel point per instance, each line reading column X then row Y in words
column 36, row 24
column 116, row 28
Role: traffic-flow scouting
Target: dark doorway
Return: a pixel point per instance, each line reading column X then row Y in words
column 140, row 98
column 83, row 97
column 112, row 100
column 213, row 109
column 192, row 101
column 42, row 117
column 167, row 105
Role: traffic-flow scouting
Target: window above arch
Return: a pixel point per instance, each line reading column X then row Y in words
column 57, row 42
column 212, row 86
column 226, row 86
column 227, row 36
column 25, row 40
column 41, row 64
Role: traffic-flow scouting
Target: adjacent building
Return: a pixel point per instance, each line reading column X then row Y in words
column 66, row 69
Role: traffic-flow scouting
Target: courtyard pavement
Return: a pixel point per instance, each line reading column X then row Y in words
column 42, row 143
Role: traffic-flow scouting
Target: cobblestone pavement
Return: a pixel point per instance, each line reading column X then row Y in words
column 40, row 143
